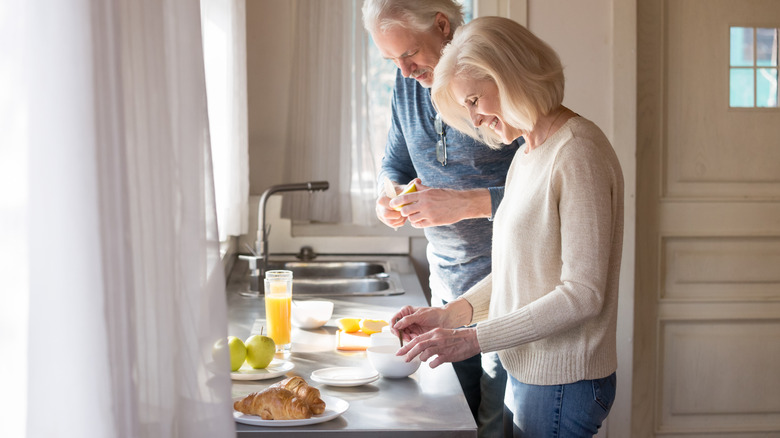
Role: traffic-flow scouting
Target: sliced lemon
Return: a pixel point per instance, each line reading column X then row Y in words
column 371, row 326
column 349, row 325
column 408, row 189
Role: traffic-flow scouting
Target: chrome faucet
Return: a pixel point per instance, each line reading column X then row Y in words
column 261, row 245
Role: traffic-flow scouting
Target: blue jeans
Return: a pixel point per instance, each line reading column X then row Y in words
column 566, row 411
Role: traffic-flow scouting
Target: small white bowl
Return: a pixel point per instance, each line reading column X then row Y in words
column 384, row 360
column 311, row 314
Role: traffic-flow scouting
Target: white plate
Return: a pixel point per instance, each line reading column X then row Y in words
column 276, row 368
column 345, row 376
column 334, row 407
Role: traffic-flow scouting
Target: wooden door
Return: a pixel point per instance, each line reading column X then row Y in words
column 707, row 308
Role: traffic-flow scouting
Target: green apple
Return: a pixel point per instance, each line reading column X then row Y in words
column 237, row 352
column 259, row 351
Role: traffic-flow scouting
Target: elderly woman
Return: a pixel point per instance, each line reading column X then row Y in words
column 549, row 306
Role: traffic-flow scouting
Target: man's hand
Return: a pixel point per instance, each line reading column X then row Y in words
column 429, row 207
column 387, row 215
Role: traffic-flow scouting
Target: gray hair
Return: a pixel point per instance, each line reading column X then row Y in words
column 380, row 15
column 526, row 70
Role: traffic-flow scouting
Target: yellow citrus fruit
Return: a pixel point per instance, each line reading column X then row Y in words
column 411, row 188
column 349, row 325
column 371, row 326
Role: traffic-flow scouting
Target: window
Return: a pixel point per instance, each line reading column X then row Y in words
column 753, row 67
column 224, row 48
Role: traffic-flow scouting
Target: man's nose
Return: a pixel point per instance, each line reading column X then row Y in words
column 406, row 67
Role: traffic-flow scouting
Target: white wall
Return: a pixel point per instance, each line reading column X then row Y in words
column 269, row 62
column 581, row 34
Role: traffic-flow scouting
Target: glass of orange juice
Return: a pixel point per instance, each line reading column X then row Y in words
column 278, row 300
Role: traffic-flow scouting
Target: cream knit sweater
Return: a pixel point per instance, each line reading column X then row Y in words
column 549, row 306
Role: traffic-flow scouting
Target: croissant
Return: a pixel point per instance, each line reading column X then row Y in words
column 302, row 390
column 273, row 403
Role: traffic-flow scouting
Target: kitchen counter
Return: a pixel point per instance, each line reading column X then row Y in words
column 429, row 403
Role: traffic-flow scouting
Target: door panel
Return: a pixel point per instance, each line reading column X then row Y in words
column 707, row 309
column 707, row 269
column 709, row 372
column 711, row 150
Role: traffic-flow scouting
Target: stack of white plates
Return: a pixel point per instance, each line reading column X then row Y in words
column 345, row 376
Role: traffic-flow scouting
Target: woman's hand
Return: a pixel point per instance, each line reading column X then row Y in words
column 447, row 345
column 430, row 331
column 414, row 321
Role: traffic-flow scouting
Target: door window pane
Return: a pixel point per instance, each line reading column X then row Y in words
column 766, row 88
column 741, row 87
column 766, row 47
column 741, row 46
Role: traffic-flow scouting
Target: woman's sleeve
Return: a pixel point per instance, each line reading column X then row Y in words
column 479, row 298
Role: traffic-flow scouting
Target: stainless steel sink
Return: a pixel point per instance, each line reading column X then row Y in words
column 329, row 278
column 335, row 287
column 316, row 269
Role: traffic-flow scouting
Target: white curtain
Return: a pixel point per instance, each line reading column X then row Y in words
column 14, row 251
column 224, row 47
column 328, row 124
column 126, row 289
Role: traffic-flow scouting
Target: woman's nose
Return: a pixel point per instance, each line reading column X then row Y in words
column 476, row 118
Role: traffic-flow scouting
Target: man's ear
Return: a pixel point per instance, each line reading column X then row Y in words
column 443, row 24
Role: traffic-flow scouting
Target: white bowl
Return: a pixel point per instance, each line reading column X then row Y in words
column 311, row 314
column 384, row 360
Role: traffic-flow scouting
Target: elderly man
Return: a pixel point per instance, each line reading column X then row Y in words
column 459, row 181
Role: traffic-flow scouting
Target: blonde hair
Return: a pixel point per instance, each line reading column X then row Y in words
column 525, row 69
column 380, row 15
